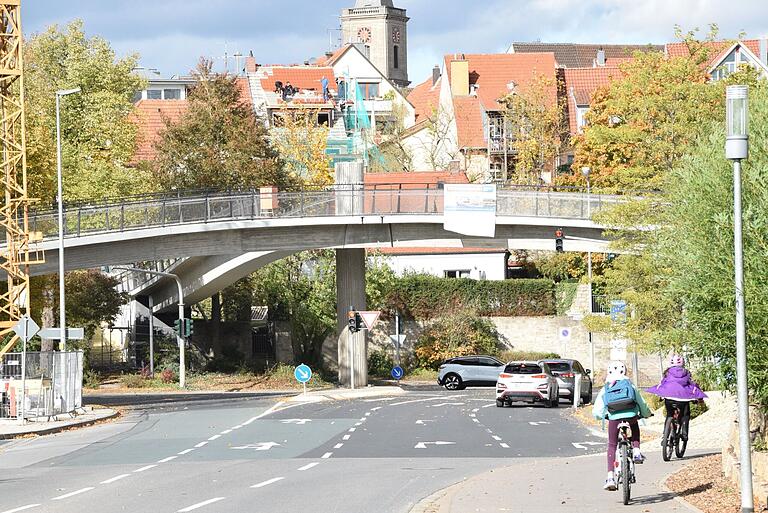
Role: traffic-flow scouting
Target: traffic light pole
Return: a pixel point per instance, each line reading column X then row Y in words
column 179, row 338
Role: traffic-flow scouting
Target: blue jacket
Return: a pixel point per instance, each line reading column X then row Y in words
column 600, row 410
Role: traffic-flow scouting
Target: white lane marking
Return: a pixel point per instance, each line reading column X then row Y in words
column 438, row 398
column 581, row 445
column 268, row 482
column 142, row 469
column 72, row 494
column 497, row 438
column 444, row 404
column 214, row 437
column 472, row 415
column 376, row 400
column 185, row 451
column 487, row 405
column 475, row 420
column 423, row 422
column 166, row 460
column 367, row 414
column 358, row 424
column 489, row 431
column 326, row 455
column 201, row 444
column 423, row 445
column 299, row 422
column 201, row 504
column 338, row 446
column 362, row 419
column 345, row 437
column 113, row 479
column 22, row 508
column 259, row 446
column 538, row 423
column 237, row 427
column 475, row 410
column 352, row 430
column 377, row 408
column 226, row 432
column 506, row 446
column 250, row 421
column 309, row 466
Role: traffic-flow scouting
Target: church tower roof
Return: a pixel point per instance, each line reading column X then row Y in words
column 373, row 3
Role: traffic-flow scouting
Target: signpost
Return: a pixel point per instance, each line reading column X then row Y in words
column 397, row 372
column 26, row 328
column 619, row 310
column 370, row 318
column 303, row 373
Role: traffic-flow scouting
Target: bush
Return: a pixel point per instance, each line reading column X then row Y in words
column 426, row 297
column 509, row 356
column 167, row 376
column 380, row 363
column 134, row 381
column 91, row 379
column 455, row 335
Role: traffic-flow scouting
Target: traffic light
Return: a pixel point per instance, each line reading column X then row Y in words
column 177, row 327
column 189, row 327
column 559, row 240
column 354, row 321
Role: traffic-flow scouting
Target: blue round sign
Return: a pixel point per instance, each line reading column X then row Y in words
column 302, row 373
column 397, row 372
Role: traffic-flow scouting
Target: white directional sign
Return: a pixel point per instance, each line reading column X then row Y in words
column 55, row 333
column 299, row 422
column 423, row 445
column 581, row 445
column 26, row 328
column 370, row 318
column 398, row 340
column 259, row 446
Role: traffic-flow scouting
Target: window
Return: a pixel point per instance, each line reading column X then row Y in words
column 462, row 273
column 523, row 368
column 171, row 94
column 396, row 55
column 559, row 366
column 581, row 120
column 154, row 94
column 370, row 90
column 489, row 362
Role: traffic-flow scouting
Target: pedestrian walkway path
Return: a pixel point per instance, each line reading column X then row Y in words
column 85, row 416
column 572, row 485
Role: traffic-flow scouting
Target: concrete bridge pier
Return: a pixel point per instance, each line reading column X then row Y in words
column 350, row 290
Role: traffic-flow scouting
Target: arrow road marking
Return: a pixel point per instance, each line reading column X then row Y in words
column 299, row 422
column 423, row 445
column 260, row 446
column 581, row 445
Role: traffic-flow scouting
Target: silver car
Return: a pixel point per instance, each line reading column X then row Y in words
column 463, row 371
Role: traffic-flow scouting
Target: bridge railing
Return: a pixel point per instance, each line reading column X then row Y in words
column 85, row 219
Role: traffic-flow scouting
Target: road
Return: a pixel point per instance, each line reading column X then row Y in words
column 372, row 455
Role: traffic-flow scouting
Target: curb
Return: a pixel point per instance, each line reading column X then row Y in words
column 58, row 429
column 663, row 487
column 344, row 394
column 431, row 503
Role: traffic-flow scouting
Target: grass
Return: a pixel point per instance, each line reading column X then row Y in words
column 421, row 374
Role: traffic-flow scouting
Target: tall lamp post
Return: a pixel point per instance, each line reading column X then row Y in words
column 62, row 304
column 736, row 149
column 585, row 171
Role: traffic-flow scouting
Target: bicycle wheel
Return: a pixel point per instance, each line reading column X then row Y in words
column 668, row 439
column 680, row 444
column 626, row 476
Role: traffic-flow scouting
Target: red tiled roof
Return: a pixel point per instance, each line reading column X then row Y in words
column 425, row 98
column 492, row 73
column 716, row 49
column 245, row 90
column 581, row 84
column 300, row 77
column 434, row 251
column 570, row 55
column 150, row 116
column 330, row 60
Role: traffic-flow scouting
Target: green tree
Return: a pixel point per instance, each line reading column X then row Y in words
column 219, row 142
column 302, row 143
column 456, row 335
column 92, row 300
column 98, row 137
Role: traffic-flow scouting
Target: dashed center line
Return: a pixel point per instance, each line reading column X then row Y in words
column 352, row 429
column 496, row 437
column 226, row 432
column 72, row 494
column 326, row 455
column 166, row 460
column 309, row 466
column 185, row 451
column 201, row 504
column 506, row 446
column 201, row 444
column 214, row 437
column 267, row 482
column 345, row 437
column 113, row 479
column 142, row 469
column 338, row 446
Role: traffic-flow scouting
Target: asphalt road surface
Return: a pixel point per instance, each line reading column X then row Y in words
column 260, row 455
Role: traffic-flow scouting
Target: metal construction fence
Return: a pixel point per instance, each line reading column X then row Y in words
column 50, row 384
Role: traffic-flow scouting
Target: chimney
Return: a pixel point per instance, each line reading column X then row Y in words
column 600, row 57
column 764, row 50
column 250, row 64
column 435, row 74
column 460, row 77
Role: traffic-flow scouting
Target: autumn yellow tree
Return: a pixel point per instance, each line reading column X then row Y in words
column 301, row 143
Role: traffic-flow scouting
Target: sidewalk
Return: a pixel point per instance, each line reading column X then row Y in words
column 572, row 485
column 11, row 429
column 341, row 394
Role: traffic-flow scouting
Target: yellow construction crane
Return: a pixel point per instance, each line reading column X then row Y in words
column 16, row 256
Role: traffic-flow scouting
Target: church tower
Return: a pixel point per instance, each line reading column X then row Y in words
column 382, row 29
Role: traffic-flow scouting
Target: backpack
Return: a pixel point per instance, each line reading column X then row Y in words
column 620, row 396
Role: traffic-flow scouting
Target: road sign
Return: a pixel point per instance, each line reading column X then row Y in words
column 302, row 373
column 397, row 372
column 398, row 340
column 619, row 310
column 565, row 334
column 26, row 328
column 370, row 318
column 55, row 333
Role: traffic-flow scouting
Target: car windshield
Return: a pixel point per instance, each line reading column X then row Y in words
column 523, row 368
column 559, row 366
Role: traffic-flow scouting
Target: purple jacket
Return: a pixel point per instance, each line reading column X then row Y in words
column 677, row 384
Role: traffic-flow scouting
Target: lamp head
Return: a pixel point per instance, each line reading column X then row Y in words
column 65, row 92
column 736, row 122
column 585, row 171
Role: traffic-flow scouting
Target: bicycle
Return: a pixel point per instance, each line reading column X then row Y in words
column 624, row 466
column 672, row 438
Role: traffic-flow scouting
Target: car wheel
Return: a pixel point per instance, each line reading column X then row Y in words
column 499, row 403
column 452, row 382
column 556, row 400
column 587, row 398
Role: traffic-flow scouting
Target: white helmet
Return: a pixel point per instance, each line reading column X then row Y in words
column 616, row 371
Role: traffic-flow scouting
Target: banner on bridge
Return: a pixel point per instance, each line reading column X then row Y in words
column 470, row 209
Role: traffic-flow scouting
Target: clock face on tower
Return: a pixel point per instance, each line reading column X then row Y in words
column 396, row 36
column 364, row 35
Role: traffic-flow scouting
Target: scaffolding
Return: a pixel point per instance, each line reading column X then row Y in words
column 15, row 256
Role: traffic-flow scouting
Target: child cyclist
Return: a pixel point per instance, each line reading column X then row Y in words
column 678, row 390
column 619, row 401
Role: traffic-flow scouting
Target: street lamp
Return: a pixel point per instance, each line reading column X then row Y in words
column 736, row 149
column 62, row 304
column 586, row 171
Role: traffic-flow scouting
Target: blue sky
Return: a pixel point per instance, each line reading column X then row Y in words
column 172, row 34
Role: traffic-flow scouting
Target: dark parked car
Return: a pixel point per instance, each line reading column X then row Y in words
column 565, row 371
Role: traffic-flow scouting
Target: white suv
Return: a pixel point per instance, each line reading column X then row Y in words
column 462, row 371
column 527, row 381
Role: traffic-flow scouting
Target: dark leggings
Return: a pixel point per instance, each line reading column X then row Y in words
column 685, row 413
column 613, row 437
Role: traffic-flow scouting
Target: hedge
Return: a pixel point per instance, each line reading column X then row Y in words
column 423, row 297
